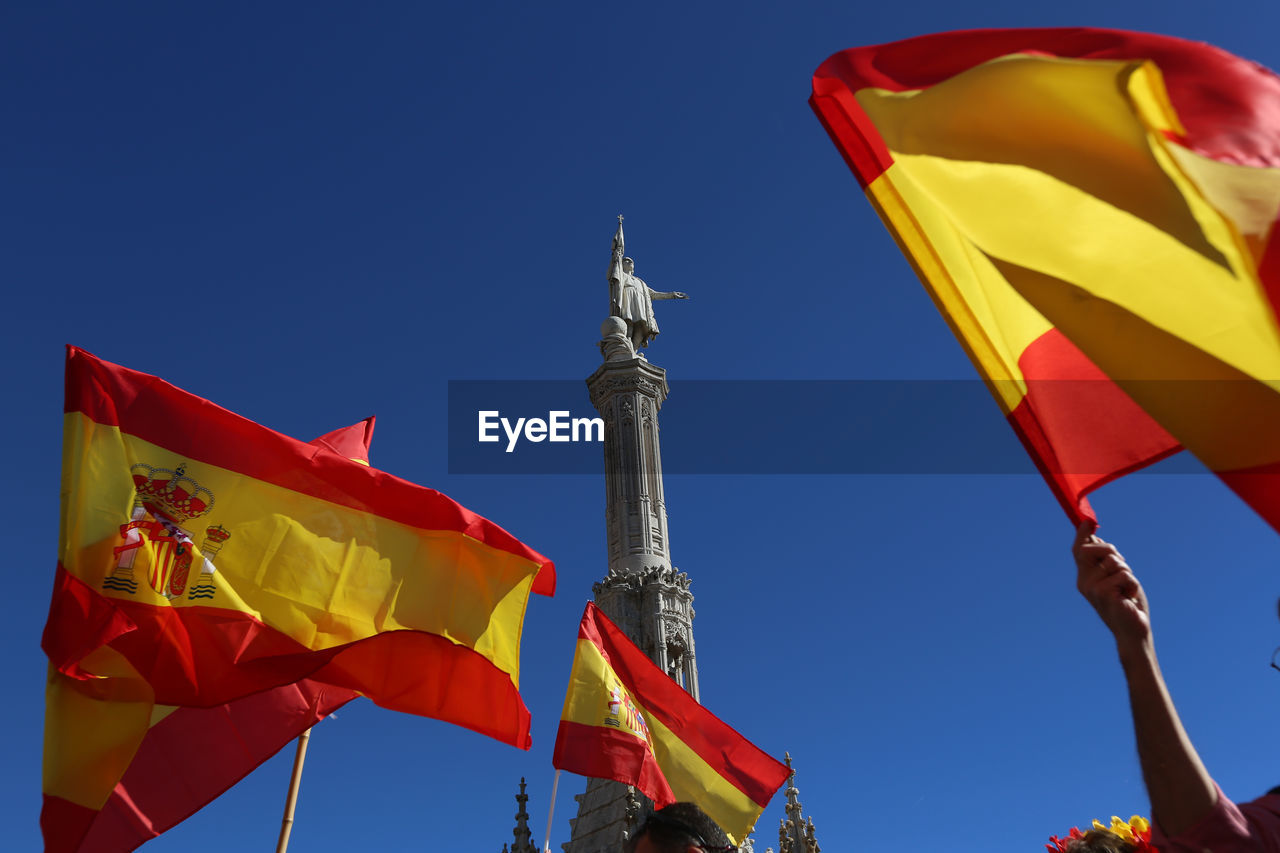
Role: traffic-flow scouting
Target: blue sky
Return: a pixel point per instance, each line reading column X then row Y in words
column 313, row 213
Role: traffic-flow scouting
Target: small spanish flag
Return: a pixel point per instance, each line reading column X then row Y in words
column 214, row 575
column 625, row 719
column 1093, row 212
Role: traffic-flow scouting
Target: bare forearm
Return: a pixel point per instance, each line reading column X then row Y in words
column 1181, row 790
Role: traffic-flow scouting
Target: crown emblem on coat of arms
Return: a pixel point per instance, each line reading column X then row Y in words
column 169, row 493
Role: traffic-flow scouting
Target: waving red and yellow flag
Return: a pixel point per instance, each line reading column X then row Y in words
column 625, row 719
column 187, row 756
column 1093, row 212
column 209, row 563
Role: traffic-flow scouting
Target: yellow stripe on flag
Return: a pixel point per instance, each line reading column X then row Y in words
column 693, row 780
column 321, row 573
column 1105, row 234
column 1109, row 212
column 93, row 728
column 991, row 320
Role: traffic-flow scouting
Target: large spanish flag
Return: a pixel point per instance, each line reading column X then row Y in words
column 187, row 756
column 625, row 719
column 1093, row 212
column 213, row 572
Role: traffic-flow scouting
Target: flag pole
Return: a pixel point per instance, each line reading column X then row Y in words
column 295, row 781
column 555, row 783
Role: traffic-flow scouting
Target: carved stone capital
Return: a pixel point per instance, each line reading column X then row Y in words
column 627, row 375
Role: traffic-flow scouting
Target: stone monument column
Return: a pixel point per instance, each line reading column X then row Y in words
column 628, row 394
column 642, row 592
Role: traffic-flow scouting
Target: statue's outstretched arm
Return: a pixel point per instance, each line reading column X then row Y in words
column 668, row 294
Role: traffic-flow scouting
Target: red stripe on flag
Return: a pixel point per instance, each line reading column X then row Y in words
column 1259, row 487
column 1217, row 95
column 206, row 656
column 463, row 687
column 725, row 751
column 1079, row 427
column 193, row 755
column 598, row 752
column 64, row 824
column 79, row 622
column 852, row 131
column 352, row 442
column 1269, row 269
column 194, row 428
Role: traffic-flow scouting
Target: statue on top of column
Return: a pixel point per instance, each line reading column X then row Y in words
column 630, row 299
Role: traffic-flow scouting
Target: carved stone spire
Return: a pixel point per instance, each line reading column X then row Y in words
column 795, row 833
column 524, row 838
column 635, row 810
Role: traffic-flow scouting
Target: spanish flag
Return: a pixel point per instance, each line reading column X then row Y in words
column 625, row 719
column 187, row 756
column 213, row 574
column 1093, row 213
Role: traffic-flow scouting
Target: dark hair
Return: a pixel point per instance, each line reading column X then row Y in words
column 1099, row 841
column 678, row 827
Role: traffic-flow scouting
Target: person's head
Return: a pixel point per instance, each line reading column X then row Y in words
column 1131, row 836
column 1099, row 841
column 628, row 265
column 679, row 828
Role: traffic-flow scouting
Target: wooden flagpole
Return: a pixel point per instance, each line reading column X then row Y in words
column 286, row 825
column 555, row 783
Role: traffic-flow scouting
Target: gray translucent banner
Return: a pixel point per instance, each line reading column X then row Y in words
column 752, row 427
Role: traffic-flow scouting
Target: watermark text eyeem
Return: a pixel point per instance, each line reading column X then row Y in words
column 558, row 426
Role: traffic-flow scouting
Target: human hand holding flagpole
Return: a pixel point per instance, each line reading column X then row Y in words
column 1182, row 791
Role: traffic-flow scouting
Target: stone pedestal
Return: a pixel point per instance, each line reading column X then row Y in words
column 607, row 812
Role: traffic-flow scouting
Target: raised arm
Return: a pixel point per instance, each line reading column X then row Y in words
column 1180, row 788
